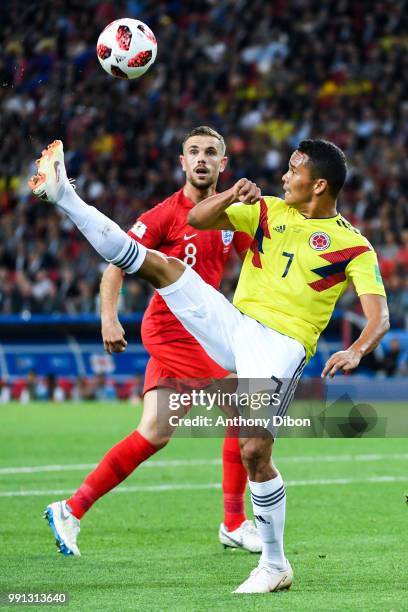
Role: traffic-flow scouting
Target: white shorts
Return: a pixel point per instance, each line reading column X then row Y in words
column 234, row 340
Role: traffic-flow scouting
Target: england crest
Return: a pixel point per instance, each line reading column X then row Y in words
column 227, row 236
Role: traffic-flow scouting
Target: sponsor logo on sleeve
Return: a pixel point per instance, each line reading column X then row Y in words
column 377, row 273
column 139, row 229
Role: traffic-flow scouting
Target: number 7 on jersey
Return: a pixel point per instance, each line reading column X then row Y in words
column 290, row 257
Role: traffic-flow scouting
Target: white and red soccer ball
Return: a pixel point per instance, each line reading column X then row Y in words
column 126, row 48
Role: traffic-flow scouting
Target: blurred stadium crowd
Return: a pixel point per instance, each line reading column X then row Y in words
column 57, row 389
column 265, row 74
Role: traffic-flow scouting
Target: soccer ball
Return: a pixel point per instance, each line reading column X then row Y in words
column 126, row 48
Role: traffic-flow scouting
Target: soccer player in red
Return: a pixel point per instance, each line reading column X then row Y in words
column 174, row 353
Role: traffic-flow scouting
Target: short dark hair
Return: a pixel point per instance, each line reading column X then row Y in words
column 205, row 130
column 326, row 160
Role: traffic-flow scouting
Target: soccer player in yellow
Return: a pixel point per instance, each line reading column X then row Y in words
column 302, row 257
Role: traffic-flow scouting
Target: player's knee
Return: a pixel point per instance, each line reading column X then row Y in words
column 157, row 439
column 161, row 270
column 255, row 452
column 174, row 269
column 160, row 441
column 149, row 429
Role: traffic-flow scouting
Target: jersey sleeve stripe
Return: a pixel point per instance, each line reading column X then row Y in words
column 261, row 233
column 345, row 254
column 334, row 273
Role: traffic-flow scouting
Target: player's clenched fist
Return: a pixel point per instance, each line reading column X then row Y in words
column 113, row 336
column 246, row 191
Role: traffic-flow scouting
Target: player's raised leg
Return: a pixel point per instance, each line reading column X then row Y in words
column 108, row 239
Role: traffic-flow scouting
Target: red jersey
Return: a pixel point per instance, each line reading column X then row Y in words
column 165, row 229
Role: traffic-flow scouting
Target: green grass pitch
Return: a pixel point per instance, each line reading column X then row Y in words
column 152, row 549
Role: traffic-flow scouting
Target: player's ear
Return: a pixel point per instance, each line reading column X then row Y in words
column 320, row 186
column 182, row 162
column 223, row 164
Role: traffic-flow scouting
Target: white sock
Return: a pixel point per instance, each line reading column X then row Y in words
column 112, row 243
column 269, row 505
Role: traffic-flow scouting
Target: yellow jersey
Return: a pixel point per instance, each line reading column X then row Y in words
column 297, row 268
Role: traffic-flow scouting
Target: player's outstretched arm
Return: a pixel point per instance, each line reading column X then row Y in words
column 113, row 334
column 376, row 311
column 209, row 214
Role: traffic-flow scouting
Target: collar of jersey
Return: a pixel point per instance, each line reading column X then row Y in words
column 320, row 218
column 186, row 200
column 304, row 218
